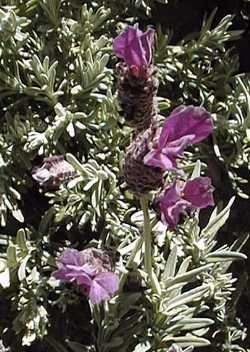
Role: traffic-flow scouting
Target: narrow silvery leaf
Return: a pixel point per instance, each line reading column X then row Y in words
column 197, row 170
column 75, row 163
column 90, row 184
column 5, row 278
column 189, row 296
column 169, row 271
column 22, row 268
column 17, row 214
column 236, row 246
column 192, row 324
column 11, row 256
column 220, row 256
column 186, row 341
column 103, row 62
column 21, row 240
column 142, row 347
column 188, row 276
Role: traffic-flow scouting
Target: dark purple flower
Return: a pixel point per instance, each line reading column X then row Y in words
column 181, row 197
column 90, row 269
column 53, row 171
column 185, row 126
column 135, row 47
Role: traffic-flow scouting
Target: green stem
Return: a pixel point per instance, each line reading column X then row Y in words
column 148, row 247
column 130, row 262
column 147, row 237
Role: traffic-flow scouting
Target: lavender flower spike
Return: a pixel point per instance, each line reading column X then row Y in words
column 181, row 197
column 53, row 171
column 135, row 47
column 89, row 269
column 185, row 126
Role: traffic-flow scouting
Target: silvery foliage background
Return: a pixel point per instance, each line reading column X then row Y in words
column 58, row 96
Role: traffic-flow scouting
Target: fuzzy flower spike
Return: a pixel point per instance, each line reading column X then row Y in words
column 89, row 269
column 181, row 197
column 155, row 150
column 137, row 84
column 53, row 172
column 185, row 126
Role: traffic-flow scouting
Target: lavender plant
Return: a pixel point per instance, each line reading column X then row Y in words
column 101, row 244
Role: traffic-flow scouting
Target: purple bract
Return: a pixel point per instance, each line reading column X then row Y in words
column 185, row 126
column 89, row 269
column 181, row 197
column 135, row 48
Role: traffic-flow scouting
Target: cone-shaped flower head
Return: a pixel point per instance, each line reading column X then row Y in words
column 91, row 270
column 181, row 197
column 53, row 171
column 185, row 126
column 135, row 48
column 137, row 84
column 139, row 177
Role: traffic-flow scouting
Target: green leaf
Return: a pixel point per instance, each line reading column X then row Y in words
column 187, row 277
column 192, row 324
column 11, row 256
column 170, row 267
column 186, row 341
column 197, row 170
column 189, row 296
column 22, row 268
column 17, row 214
column 221, row 256
column 21, row 240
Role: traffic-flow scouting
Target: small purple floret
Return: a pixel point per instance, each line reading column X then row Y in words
column 181, row 197
column 185, row 126
column 135, row 47
column 87, row 271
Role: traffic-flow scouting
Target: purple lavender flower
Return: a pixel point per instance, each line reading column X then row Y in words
column 90, row 269
column 185, row 126
column 53, row 171
column 181, row 197
column 135, row 48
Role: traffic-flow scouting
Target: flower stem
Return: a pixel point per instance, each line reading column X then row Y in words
column 148, row 247
column 130, row 262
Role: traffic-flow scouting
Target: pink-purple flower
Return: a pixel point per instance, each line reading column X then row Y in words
column 182, row 197
column 90, row 269
column 135, row 48
column 53, row 171
column 185, row 126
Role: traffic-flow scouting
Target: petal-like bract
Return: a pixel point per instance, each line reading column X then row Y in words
column 181, row 197
column 172, row 205
column 134, row 46
column 89, row 270
column 199, row 192
column 104, row 285
column 185, row 126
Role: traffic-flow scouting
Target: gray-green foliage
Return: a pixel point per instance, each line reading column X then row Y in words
column 57, row 96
